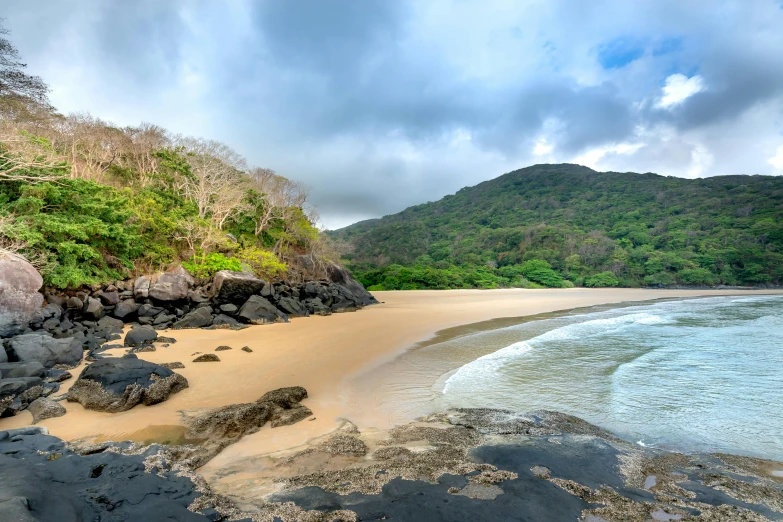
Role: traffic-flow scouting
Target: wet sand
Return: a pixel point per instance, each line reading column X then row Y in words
column 319, row 353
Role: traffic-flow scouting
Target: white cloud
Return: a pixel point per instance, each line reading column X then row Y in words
column 777, row 160
column 592, row 157
column 542, row 147
column 701, row 161
column 679, row 88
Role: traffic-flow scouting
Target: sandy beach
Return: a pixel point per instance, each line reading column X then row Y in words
column 319, row 353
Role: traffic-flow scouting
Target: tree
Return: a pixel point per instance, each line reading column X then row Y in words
column 18, row 90
column 27, row 158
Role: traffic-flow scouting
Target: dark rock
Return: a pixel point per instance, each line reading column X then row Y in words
column 235, row 287
column 119, row 384
column 342, row 277
column 163, row 318
column 290, row 416
column 126, row 308
column 207, row 357
column 258, row 310
column 196, row 319
column 19, row 296
column 316, row 307
column 229, row 308
column 55, row 375
column 55, row 299
column 223, row 348
column 51, row 310
column 43, row 408
column 93, row 308
column 74, row 303
column 17, row 392
column 291, row 307
column 140, row 335
column 110, row 323
column 168, row 340
column 22, row 369
column 173, row 365
column 247, row 349
column 172, row 286
column 196, row 296
column 51, row 324
column 141, row 287
column 109, row 298
column 268, row 290
column 146, row 320
column 143, row 348
column 148, row 310
column 285, row 397
column 224, row 320
column 46, row 349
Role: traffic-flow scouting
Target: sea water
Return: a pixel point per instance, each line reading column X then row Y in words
column 699, row 375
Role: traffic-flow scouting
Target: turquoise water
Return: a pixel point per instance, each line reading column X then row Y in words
column 696, row 375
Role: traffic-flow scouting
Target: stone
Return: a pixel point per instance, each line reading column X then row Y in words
column 74, row 303
column 173, row 365
column 343, row 277
column 17, row 392
column 110, row 323
column 118, row 384
column 19, row 296
column 172, row 286
column 126, row 308
column 258, row 310
column 143, row 348
column 290, row 416
column 229, row 308
column 247, row 349
column 198, row 318
column 46, row 349
column 285, row 397
column 109, row 298
column 141, row 287
column 235, row 287
column 207, row 357
column 292, row 307
column 163, row 318
column 43, row 408
column 22, row 369
column 93, row 309
column 140, row 335
column 223, row 348
column 224, row 320
column 55, row 375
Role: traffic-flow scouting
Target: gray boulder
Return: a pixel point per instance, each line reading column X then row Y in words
column 109, row 298
column 16, row 393
column 43, row 408
column 45, row 349
column 172, row 286
column 258, row 310
column 343, row 277
column 19, row 296
column 140, row 335
column 141, row 287
column 292, row 307
column 21, row 369
column 235, row 287
column 118, row 384
column 126, row 308
column 93, row 309
column 198, row 318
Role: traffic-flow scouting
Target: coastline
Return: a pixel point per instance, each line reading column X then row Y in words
column 319, row 353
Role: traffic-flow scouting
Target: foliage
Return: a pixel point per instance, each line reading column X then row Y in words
column 644, row 229
column 602, row 280
column 263, row 263
column 208, row 265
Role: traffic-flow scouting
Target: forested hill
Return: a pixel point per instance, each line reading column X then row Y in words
column 564, row 225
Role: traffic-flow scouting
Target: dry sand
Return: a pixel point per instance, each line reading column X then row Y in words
column 318, row 353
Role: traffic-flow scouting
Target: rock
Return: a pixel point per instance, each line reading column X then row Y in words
column 223, row 348
column 109, row 298
column 45, row 349
column 247, row 349
column 110, row 323
column 55, row 375
column 141, row 287
column 258, row 310
column 163, row 318
column 74, row 303
column 173, row 365
column 207, row 357
column 292, row 307
column 126, row 308
column 140, row 335
column 17, row 392
column 93, row 308
column 229, row 422
column 143, row 348
column 229, row 308
column 167, row 340
column 235, row 287
column 198, row 318
column 196, row 296
column 291, row 416
column 268, row 290
column 172, row 286
column 19, row 296
column 22, row 369
column 285, row 397
column 147, row 310
column 43, row 408
column 118, row 384
column 316, row 307
column 342, row 277
column 225, row 320
column 51, row 310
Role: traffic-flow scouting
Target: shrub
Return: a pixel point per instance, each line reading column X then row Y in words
column 541, row 272
column 206, row 266
column 602, row 280
column 263, row 263
column 696, row 276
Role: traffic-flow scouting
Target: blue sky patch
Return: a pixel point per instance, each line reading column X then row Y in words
column 619, row 52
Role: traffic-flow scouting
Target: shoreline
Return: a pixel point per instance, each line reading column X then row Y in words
column 321, row 354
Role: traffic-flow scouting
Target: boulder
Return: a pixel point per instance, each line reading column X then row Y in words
column 17, row 392
column 258, row 310
column 207, row 357
column 109, row 298
column 74, row 303
column 343, row 277
column 93, row 309
column 118, row 384
column 247, row 349
column 198, row 318
column 126, row 308
column 140, row 335
column 110, row 323
column 19, row 296
column 235, row 287
column 225, row 321
column 316, row 307
column 292, row 307
column 173, row 365
column 172, row 286
column 147, row 310
column 45, row 349
column 285, row 397
column 22, row 369
column 141, row 287
column 230, row 308
column 43, row 408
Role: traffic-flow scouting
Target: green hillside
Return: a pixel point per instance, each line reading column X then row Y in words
column 564, row 225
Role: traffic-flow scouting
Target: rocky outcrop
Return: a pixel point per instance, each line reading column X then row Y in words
column 235, row 287
column 19, row 297
column 258, row 310
column 44, row 349
column 342, row 277
column 172, row 286
column 119, row 384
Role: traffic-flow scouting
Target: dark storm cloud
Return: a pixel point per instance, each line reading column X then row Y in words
column 379, row 105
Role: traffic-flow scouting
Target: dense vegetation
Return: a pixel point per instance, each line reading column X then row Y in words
column 88, row 202
column 564, row 225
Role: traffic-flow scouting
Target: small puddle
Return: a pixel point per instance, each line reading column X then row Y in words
column 650, row 482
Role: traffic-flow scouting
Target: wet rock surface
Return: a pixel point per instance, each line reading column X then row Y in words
column 118, row 384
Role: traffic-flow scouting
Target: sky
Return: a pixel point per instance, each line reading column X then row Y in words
column 382, row 104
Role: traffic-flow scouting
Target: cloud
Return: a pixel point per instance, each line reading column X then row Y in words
column 777, row 160
column 381, row 106
column 679, row 88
